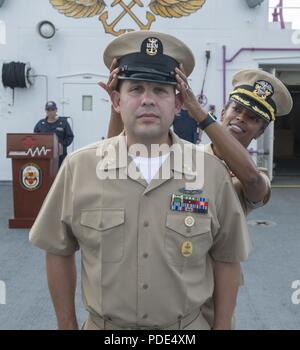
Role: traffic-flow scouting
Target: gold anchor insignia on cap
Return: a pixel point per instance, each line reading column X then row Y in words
column 189, row 221
column 152, row 47
column 187, row 248
column 263, row 89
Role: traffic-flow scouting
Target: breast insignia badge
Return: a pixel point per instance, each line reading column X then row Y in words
column 187, row 249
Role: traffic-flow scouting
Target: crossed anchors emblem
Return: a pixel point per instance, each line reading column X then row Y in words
column 91, row 8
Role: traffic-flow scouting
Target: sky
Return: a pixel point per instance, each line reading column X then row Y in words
column 291, row 11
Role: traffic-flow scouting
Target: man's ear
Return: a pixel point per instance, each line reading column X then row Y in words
column 115, row 100
column 178, row 103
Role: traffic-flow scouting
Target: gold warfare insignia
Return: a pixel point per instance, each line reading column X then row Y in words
column 190, row 192
column 91, row 8
column 263, row 89
column 187, row 249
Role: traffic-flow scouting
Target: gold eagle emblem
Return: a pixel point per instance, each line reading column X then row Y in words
column 162, row 8
column 175, row 8
column 79, row 8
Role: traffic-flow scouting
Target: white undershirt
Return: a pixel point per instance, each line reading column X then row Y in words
column 149, row 166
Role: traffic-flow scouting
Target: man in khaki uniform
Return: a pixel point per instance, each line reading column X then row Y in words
column 148, row 232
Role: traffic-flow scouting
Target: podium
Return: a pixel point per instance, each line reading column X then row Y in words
column 34, row 167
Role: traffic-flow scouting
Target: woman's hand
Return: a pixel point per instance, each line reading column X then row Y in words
column 189, row 99
column 112, row 82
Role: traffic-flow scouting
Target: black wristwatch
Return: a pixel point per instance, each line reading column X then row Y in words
column 210, row 118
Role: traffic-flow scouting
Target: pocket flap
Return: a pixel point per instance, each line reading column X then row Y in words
column 102, row 219
column 176, row 222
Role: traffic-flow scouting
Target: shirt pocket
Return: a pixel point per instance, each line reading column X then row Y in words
column 188, row 239
column 103, row 230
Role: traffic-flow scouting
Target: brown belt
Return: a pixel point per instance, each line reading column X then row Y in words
column 95, row 322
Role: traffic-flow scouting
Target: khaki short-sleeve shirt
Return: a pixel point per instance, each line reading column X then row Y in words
column 143, row 263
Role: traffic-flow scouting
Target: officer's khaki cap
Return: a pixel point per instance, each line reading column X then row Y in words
column 261, row 93
column 149, row 56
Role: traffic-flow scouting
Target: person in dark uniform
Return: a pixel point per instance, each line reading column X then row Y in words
column 186, row 127
column 58, row 125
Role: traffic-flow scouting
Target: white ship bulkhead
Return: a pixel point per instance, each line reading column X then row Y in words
column 67, row 67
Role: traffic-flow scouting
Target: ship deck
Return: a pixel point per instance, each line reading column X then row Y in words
column 265, row 302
